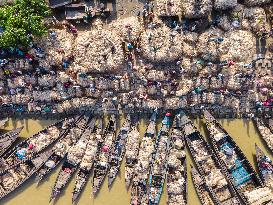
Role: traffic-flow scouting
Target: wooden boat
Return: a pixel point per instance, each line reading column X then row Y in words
column 270, row 124
column 265, row 166
column 177, row 167
column 265, row 132
column 61, row 148
column 74, row 157
column 118, row 151
column 139, row 191
column 131, row 153
column 16, row 176
column 7, row 139
column 160, row 162
column 75, row 11
column 3, row 122
column 101, row 165
column 36, row 143
column 201, row 188
column 87, row 162
column 215, row 175
column 244, row 178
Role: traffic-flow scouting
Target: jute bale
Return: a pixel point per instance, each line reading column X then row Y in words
column 169, row 7
column 207, row 49
column 224, row 4
column 159, row 43
column 196, row 9
column 257, row 19
column 99, row 50
column 128, row 29
column 239, row 45
column 257, row 2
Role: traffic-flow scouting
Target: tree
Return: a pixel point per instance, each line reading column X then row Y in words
column 21, row 20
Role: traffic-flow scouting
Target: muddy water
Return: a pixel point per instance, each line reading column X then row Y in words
column 243, row 131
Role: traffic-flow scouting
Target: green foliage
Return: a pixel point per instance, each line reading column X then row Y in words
column 21, row 20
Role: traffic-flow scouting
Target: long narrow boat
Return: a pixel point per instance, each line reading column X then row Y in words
column 139, row 191
column 87, row 161
column 7, row 139
column 265, row 133
column 177, row 167
column 160, row 162
column 61, row 148
column 16, row 176
column 265, row 166
column 3, row 122
column 131, row 153
column 118, row 151
column 244, row 178
column 215, row 175
column 74, row 157
column 101, row 165
column 36, row 143
column 201, row 188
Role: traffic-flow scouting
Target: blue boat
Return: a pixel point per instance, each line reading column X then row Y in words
column 160, row 162
column 244, row 178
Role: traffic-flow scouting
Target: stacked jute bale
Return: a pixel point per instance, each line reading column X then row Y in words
column 189, row 44
column 257, row 2
column 196, row 9
column 238, row 45
column 169, row 7
column 99, row 50
column 209, row 50
column 127, row 29
column 55, row 50
column 224, row 4
column 159, row 43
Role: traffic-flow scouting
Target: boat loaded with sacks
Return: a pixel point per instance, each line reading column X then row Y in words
column 74, row 157
column 131, row 153
column 61, row 148
column 209, row 167
column 244, row 178
column 7, row 139
column 177, row 167
column 139, row 190
column 201, row 187
column 101, row 165
column 159, row 162
column 86, row 164
column 118, row 151
column 265, row 132
column 16, row 176
column 265, row 166
column 36, row 143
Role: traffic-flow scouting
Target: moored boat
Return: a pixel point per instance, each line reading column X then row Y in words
column 209, row 167
column 131, row 153
column 87, row 161
column 7, row 139
column 16, row 176
column 265, row 166
column 177, row 167
column 244, row 178
column 74, row 157
column 61, row 148
column 265, row 133
column 201, row 188
column 139, row 191
column 270, row 124
column 118, row 151
column 101, row 165
column 36, row 143
column 160, row 162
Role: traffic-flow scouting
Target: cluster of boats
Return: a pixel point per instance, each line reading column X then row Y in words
column 221, row 173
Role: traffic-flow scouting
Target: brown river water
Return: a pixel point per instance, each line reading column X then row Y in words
column 243, row 132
